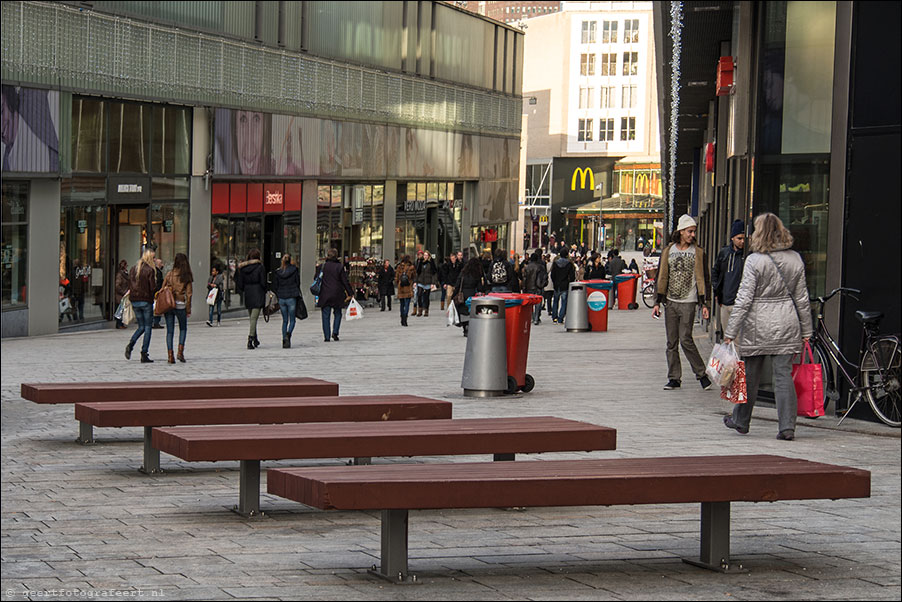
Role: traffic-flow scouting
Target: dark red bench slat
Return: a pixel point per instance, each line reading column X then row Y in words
column 568, row 483
column 261, row 411
column 190, row 389
column 397, row 438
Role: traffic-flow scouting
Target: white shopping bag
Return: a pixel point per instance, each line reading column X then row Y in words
column 453, row 316
column 354, row 311
column 722, row 364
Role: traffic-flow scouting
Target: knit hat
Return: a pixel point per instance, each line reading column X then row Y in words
column 686, row 221
column 737, row 228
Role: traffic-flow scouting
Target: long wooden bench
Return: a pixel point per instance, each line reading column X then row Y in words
column 149, row 414
column 502, row 437
column 713, row 481
column 150, row 390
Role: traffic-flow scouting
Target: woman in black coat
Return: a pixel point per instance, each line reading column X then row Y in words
column 386, row 284
column 334, row 294
column 250, row 279
column 470, row 282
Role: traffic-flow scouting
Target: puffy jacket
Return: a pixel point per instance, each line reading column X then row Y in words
column 287, row 283
column 765, row 320
column 530, row 275
column 562, row 273
column 727, row 274
column 252, row 282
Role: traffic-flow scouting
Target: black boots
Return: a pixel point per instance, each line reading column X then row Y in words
column 250, row 343
column 128, row 351
column 286, row 343
column 145, row 359
column 403, row 320
column 256, row 341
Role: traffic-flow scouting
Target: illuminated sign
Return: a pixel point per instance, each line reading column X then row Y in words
column 582, row 173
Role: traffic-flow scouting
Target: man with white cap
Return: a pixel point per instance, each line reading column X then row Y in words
column 682, row 285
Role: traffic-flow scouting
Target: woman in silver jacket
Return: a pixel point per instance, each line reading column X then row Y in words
column 771, row 318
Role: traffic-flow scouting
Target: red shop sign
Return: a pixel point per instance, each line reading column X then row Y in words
column 273, row 197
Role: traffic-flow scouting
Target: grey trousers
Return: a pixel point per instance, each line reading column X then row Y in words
column 784, row 390
column 678, row 321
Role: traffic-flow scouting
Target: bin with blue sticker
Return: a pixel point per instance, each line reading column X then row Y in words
column 518, row 321
column 598, row 298
column 626, row 291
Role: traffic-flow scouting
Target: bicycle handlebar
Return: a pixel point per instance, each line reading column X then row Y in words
column 843, row 290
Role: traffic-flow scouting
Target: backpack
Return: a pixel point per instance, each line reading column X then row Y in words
column 541, row 277
column 404, row 280
column 499, row 273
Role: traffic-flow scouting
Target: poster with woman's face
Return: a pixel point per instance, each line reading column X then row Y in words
column 243, row 142
column 295, row 145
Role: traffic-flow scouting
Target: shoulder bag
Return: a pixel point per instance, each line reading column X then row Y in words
column 164, row 301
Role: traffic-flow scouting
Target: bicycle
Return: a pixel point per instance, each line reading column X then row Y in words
column 878, row 373
column 648, row 289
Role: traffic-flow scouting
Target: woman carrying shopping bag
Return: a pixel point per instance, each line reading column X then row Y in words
column 335, row 292
column 770, row 320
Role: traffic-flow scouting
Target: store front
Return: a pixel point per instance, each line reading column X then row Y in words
column 349, row 218
column 428, row 218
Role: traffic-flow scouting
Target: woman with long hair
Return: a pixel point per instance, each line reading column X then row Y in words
column 142, row 285
column 288, row 289
column 769, row 322
column 251, row 280
column 405, row 280
column 180, row 280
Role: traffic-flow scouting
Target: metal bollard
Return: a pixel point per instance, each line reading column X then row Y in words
column 485, row 364
column 577, row 318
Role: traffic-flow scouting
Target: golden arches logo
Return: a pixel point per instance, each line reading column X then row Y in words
column 582, row 173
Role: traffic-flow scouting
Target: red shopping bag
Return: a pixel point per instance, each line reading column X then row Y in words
column 737, row 391
column 809, row 383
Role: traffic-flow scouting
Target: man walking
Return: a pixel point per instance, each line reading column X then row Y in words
column 535, row 277
column 727, row 272
column 562, row 274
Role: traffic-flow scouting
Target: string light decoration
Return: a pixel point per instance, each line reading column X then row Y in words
column 676, row 31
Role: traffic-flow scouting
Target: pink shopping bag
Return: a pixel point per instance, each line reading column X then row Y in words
column 809, row 383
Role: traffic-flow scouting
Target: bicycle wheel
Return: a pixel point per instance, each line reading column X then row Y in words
column 822, row 358
column 880, row 374
column 648, row 295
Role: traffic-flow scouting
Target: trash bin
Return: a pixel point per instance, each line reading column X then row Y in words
column 485, row 362
column 576, row 319
column 626, row 291
column 598, row 300
column 518, row 322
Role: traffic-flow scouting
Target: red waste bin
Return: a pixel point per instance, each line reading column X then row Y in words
column 626, row 290
column 518, row 321
column 598, row 298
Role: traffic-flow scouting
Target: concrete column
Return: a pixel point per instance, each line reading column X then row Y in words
column 43, row 257
column 307, row 261
column 466, row 220
column 389, row 220
column 199, row 245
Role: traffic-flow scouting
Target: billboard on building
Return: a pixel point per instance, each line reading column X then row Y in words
column 30, row 130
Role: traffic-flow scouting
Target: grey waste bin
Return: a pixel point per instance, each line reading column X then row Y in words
column 577, row 317
column 485, row 364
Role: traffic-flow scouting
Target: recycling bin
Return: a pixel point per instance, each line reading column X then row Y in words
column 485, row 363
column 598, row 301
column 576, row 318
column 626, row 290
column 518, row 322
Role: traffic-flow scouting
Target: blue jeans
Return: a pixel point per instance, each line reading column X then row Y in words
column 326, row 312
column 559, row 305
column 144, row 317
column 218, row 307
column 405, row 307
column 288, row 306
column 171, row 315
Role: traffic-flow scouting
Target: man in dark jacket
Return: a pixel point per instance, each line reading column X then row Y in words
column 448, row 273
column 500, row 275
column 562, row 274
column 727, row 272
column 535, row 276
column 335, row 292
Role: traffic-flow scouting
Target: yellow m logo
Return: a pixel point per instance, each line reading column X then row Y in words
column 582, row 173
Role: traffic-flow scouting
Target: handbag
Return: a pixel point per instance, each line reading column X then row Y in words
column 809, row 384
column 317, row 285
column 163, row 301
column 270, row 305
column 300, row 309
column 212, row 296
column 737, row 392
column 128, row 312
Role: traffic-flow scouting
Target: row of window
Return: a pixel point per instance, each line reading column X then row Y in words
column 628, row 97
column 609, row 31
column 585, row 131
column 609, row 63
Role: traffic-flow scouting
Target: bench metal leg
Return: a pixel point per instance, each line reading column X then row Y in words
column 504, row 457
column 151, row 454
column 85, row 433
column 394, row 547
column 715, row 539
column 363, row 461
column 249, row 488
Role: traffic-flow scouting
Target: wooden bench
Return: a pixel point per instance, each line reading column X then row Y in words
column 149, row 414
column 713, row 481
column 150, row 390
column 502, row 437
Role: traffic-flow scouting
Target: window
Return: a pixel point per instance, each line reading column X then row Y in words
column 629, row 97
column 631, row 31
column 14, row 289
column 627, row 128
column 609, row 32
column 588, row 33
column 609, row 64
column 630, row 63
column 585, row 130
column 606, row 131
column 585, row 98
column 607, row 97
column 587, row 64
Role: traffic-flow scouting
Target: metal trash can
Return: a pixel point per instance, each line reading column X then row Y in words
column 485, row 363
column 577, row 318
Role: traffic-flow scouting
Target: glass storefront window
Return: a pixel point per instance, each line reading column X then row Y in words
column 83, row 241
column 14, row 289
column 169, row 227
column 129, row 138
column 171, row 139
column 89, row 138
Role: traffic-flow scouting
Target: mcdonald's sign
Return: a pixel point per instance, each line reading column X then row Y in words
column 582, row 173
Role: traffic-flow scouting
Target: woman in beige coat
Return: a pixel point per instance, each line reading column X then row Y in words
column 405, row 281
column 770, row 320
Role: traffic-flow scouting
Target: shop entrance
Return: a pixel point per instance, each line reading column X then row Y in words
column 272, row 243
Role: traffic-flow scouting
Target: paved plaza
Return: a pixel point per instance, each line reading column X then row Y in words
column 82, row 522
